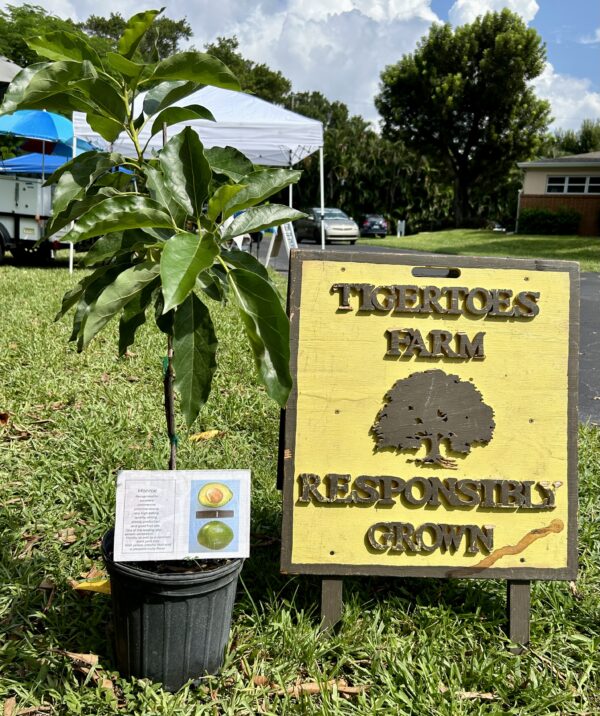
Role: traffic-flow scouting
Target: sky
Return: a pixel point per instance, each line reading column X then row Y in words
column 340, row 47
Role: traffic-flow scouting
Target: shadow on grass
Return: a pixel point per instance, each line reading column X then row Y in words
column 263, row 581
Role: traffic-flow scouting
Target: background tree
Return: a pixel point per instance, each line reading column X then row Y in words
column 255, row 78
column 585, row 139
column 463, row 99
column 19, row 22
column 161, row 41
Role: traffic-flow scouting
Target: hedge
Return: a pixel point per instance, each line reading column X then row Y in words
column 546, row 221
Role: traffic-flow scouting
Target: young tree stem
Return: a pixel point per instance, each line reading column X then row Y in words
column 170, row 405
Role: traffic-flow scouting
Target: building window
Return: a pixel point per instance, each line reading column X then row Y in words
column 573, row 185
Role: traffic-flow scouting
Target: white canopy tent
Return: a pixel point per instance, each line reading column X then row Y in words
column 265, row 133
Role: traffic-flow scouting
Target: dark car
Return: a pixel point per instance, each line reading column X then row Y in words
column 372, row 225
column 338, row 226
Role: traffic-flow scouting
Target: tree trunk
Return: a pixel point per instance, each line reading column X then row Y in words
column 461, row 199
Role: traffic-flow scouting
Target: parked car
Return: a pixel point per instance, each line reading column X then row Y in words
column 373, row 225
column 338, row 226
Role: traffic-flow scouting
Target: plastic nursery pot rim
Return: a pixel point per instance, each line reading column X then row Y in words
column 166, row 578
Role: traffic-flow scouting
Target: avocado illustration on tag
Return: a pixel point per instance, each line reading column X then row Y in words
column 215, row 535
column 214, row 494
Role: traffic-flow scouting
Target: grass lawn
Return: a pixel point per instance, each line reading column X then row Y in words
column 473, row 242
column 68, row 422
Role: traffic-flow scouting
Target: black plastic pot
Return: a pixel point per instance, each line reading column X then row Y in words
column 170, row 627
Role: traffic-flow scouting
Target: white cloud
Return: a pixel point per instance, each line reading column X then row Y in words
column 572, row 98
column 464, row 11
column 593, row 40
column 340, row 47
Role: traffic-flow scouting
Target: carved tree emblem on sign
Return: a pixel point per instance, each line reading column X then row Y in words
column 432, row 407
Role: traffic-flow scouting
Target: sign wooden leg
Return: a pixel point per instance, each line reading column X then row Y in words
column 517, row 605
column 331, row 602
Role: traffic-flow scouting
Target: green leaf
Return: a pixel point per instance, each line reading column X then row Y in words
column 108, row 129
column 117, row 214
column 62, row 45
column 174, row 115
column 137, row 26
column 221, row 198
column 93, row 286
column 76, row 208
column 244, row 260
column 113, row 298
column 196, row 67
column 111, row 245
column 110, row 103
column 186, row 170
column 261, row 217
column 229, row 161
column 77, row 175
column 161, row 192
column 212, row 284
column 164, row 321
column 165, row 94
column 267, row 328
column 261, row 185
column 126, row 68
column 194, row 355
column 184, row 256
column 134, row 316
column 38, row 82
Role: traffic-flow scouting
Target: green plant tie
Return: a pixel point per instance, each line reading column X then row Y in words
column 165, row 365
column 174, row 439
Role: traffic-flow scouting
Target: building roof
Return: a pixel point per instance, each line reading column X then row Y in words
column 589, row 159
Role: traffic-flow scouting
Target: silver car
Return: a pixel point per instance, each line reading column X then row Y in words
column 338, row 226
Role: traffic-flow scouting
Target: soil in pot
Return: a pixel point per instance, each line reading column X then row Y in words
column 170, row 625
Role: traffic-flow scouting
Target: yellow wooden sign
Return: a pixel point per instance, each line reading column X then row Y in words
column 432, row 427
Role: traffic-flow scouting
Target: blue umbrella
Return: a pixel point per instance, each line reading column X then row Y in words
column 65, row 149
column 37, row 124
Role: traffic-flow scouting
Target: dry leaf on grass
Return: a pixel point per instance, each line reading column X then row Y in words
column 93, row 573
column 314, row 687
column 486, row 695
column 132, row 379
column 574, row 591
column 34, row 711
column 10, row 706
column 66, row 536
column 31, row 541
column 47, row 583
column 260, row 681
column 4, row 419
column 100, row 584
column 206, row 435
column 86, row 664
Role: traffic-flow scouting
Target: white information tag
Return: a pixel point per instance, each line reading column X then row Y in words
column 181, row 514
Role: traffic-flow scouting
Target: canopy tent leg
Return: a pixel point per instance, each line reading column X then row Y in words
column 322, row 182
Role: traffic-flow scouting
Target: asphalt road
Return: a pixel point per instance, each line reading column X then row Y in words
column 589, row 346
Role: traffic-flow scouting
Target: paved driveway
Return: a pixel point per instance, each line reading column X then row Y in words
column 589, row 348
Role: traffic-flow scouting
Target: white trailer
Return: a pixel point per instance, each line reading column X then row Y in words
column 24, row 210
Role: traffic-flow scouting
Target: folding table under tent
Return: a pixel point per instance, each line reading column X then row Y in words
column 267, row 134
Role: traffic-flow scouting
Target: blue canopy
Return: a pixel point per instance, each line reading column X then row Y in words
column 32, row 164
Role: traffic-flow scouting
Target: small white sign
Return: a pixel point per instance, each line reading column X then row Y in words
column 182, row 514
